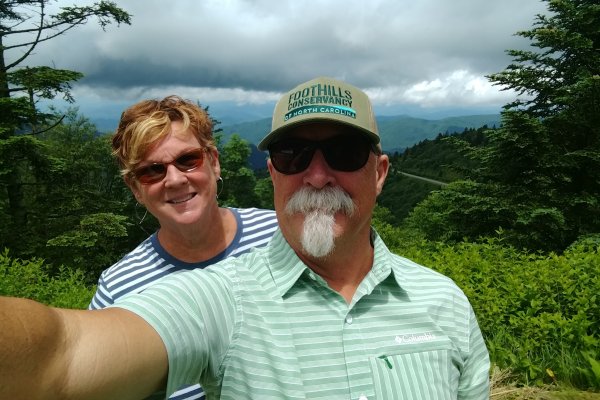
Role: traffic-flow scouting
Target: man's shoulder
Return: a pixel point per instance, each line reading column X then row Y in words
column 404, row 267
column 415, row 268
column 420, row 276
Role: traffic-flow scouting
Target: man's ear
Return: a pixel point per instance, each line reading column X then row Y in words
column 383, row 166
column 270, row 167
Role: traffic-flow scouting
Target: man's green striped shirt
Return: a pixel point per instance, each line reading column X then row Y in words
column 265, row 326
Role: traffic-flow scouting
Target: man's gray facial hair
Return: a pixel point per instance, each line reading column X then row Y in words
column 319, row 207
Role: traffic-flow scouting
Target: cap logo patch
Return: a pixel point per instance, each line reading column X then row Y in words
column 319, row 98
column 345, row 111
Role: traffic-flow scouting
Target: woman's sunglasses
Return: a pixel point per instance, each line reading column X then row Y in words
column 345, row 153
column 156, row 172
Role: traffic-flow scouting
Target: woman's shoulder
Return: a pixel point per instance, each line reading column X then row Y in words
column 255, row 228
column 253, row 212
column 255, row 218
column 144, row 253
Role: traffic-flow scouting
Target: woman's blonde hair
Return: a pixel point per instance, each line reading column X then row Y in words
column 146, row 123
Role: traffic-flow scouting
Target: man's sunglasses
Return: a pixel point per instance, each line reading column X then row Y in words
column 345, row 153
column 156, row 172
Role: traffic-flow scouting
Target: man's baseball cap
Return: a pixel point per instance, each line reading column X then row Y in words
column 322, row 99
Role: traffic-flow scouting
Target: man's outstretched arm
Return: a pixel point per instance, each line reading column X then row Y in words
column 51, row 353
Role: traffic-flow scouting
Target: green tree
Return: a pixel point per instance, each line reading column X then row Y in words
column 264, row 192
column 80, row 213
column 239, row 180
column 539, row 180
column 25, row 163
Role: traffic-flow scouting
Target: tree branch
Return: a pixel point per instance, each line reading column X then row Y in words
column 35, row 42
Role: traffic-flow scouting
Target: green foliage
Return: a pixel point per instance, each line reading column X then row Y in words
column 106, row 12
column 26, row 158
column 69, row 177
column 35, row 174
column 27, row 152
column 14, row 113
column 238, row 179
column 592, row 373
column 471, row 215
column 536, row 311
column 45, row 82
column 264, row 193
column 440, row 159
column 92, row 246
column 391, row 235
column 401, row 194
column 29, row 278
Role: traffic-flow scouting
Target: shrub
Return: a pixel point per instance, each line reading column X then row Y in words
column 28, row 278
column 539, row 313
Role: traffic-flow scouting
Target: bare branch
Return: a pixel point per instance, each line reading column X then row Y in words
column 33, row 133
column 35, row 42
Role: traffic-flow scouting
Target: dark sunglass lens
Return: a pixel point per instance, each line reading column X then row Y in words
column 291, row 156
column 346, row 153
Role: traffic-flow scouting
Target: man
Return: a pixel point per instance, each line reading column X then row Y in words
column 325, row 311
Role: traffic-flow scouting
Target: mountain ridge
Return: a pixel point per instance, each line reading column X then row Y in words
column 396, row 132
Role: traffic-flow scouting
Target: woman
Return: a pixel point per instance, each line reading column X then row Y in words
column 169, row 161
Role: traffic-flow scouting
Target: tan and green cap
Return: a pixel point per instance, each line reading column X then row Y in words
column 322, row 99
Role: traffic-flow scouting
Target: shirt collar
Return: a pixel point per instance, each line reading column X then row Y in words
column 286, row 267
column 284, row 264
column 385, row 260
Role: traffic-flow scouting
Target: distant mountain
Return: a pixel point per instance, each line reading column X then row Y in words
column 252, row 131
column 397, row 132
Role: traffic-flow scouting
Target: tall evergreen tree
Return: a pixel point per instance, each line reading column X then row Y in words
column 539, row 180
column 24, row 161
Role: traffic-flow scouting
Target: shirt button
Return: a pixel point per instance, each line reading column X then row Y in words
column 363, row 397
column 349, row 322
column 312, row 276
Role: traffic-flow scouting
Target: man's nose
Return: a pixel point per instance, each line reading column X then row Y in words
column 318, row 174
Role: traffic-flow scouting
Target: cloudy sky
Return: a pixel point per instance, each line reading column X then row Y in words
column 423, row 58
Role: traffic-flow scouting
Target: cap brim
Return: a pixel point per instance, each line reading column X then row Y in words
column 278, row 134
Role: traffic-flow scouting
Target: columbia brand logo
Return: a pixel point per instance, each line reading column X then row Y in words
column 415, row 338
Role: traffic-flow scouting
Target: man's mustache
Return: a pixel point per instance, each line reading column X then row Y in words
column 328, row 200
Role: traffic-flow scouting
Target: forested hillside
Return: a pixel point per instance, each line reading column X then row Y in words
column 441, row 159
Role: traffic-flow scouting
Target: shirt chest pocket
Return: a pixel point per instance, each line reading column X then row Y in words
column 417, row 372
